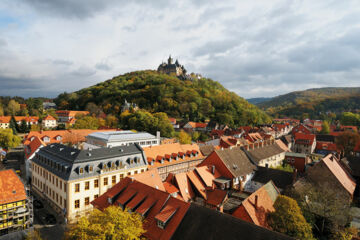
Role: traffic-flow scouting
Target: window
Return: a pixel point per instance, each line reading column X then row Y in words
column 113, row 179
column 105, row 181
column 135, row 172
column 96, row 183
column 142, row 170
column 57, row 182
column 129, row 173
column 87, row 201
column 60, row 184
column 87, row 185
column 64, row 187
column 96, row 196
column 90, row 168
column 57, row 197
column 121, row 176
column 81, row 170
column 77, row 204
column 77, row 187
column 60, row 200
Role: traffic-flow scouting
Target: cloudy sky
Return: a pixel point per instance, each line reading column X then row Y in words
column 254, row 48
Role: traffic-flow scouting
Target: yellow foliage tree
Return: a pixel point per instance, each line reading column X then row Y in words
column 113, row 223
column 184, row 138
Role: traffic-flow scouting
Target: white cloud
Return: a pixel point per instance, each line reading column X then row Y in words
column 254, row 48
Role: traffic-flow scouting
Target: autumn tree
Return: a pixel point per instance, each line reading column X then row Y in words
column 8, row 139
column 113, row 223
column 1, row 111
column 33, row 235
column 87, row 122
column 111, row 121
column 72, row 139
column 325, row 128
column 13, row 107
column 347, row 141
column 288, row 219
column 184, row 138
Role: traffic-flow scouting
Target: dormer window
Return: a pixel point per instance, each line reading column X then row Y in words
column 58, row 138
column 46, row 139
column 81, row 170
column 160, row 224
column 113, row 165
column 32, row 138
column 91, row 169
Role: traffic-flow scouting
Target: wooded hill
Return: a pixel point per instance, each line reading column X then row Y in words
column 313, row 102
column 194, row 100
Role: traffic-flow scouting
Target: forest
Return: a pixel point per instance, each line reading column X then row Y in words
column 194, row 100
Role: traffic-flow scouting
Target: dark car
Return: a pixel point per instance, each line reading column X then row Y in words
column 50, row 219
column 38, row 204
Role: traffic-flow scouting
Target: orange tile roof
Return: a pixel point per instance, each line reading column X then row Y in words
column 5, row 119
column 184, row 186
column 170, row 188
column 257, row 214
column 197, row 125
column 11, row 187
column 150, row 178
column 206, row 175
column 49, row 117
column 340, row 173
column 195, row 180
column 31, row 119
column 156, row 153
column 79, row 133
column 70, row 113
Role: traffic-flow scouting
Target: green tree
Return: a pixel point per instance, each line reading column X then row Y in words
column 87, row 122
column 325, row 128
column 24, row 127
column 349, row 118
column 13, row 107
column 1, row 110
column 13, row 125
column 288, row 219
column 184, row 138
column 8, row 139
column 113, row 223
column 195, row 136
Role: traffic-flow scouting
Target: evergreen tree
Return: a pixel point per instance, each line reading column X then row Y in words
column 13, row 125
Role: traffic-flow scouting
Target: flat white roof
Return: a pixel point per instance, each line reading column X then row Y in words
column 121, row 136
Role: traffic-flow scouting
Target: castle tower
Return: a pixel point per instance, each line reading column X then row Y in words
column 170, row 60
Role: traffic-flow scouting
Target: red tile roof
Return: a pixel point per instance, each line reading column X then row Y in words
column 11, row 187
column 184, row 185
column 157, row 205
column 215, row 197
column 170, row 188
column 302, row 138
column 150, row 178
column 206, row 175
column 33, row 146
column 195, row 180
column 197, row 124
column 326, row 146
column 248, row 211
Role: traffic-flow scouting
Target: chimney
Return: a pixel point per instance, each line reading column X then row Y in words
column 158, row 135
column 256, row 201
column 294, row 175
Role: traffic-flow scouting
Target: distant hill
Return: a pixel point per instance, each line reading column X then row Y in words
column 195, row 100
column 256, row 101
column 313, row 102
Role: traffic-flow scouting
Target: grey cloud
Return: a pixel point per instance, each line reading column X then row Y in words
column 83, row 72
column 3, row 42
column 62, row 62
column 103, row 66
column 82, row 9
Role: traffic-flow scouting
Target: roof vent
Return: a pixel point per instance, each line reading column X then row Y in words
column 72, row 153
column 88, row 154
column 14, row 191
column 121, row 150
column 90, row 149
column 61, row 149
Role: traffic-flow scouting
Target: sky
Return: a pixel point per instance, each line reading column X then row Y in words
column 254, row 48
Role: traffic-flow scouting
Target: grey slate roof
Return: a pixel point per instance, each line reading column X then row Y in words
column 207, row 149
column 204, row 223
column 265, row 152
column 294, row 154
column 236, row 161
column 121, row 136
column 65, row 162
column 281, row 179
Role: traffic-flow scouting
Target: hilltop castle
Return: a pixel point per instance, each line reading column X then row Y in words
column 171, row 68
